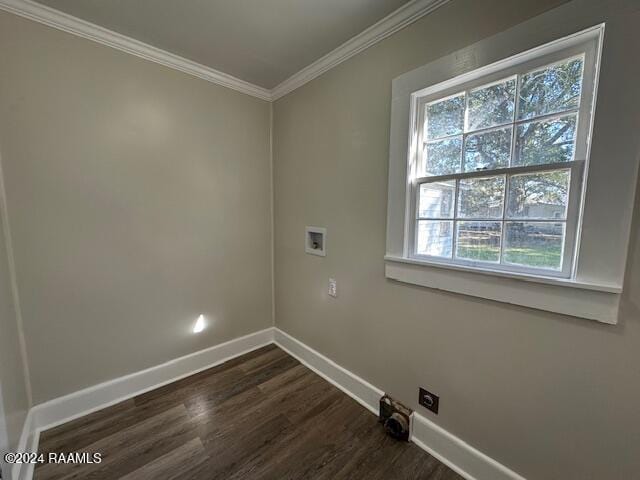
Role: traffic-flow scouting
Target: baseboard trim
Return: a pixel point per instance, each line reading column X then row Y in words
column 26, row 472
column 360, row 390
column 443, row 445
column 26, row 443
column 83, row 402
column 88, row 400
column 435, row 440
column 456, row 453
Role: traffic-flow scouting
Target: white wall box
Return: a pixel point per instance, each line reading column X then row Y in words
column 315, row 241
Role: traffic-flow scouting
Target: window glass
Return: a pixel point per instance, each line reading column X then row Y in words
column 481, row 197
column 541, row 195
column 437, row 199
column 435, row 238
column 479, row 241
column 442, row 157
column 492, row 105
column 546, row 141
column 488, row 150
column 549, row 90
column 445, row 117
column 504, row 152
column 534, row 244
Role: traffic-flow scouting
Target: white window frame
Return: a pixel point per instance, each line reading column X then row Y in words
column 487, row 76
column 591, row 286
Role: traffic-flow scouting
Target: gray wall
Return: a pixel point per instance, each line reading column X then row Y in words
column 549, row 396
column 139, row 198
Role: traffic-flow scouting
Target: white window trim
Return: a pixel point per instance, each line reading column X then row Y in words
column 589, row 291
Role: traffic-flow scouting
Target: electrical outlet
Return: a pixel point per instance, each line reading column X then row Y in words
column 429, row 400
column 333, row 287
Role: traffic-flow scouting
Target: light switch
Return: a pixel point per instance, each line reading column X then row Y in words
column 333, row 287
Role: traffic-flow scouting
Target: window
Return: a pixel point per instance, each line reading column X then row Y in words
column 501, row 185
column 498, row 168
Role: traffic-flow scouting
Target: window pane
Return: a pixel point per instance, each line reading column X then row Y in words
column 478, row 241
column 435, row 238
column 443, row 157
column 536, row 244
column 436, row 199
column 548, row 141
column 550, row 90
column 489, row 150
column 538, row 195
column 445, row 117
column 481, row 197
column 493, row 105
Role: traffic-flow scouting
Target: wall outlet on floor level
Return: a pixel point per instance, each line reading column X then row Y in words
column 333, row 287
column 429, row 400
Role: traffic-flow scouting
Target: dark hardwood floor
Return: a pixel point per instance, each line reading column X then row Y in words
column 259, row 416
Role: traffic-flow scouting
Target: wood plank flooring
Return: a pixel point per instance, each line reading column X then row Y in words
column 260, row 416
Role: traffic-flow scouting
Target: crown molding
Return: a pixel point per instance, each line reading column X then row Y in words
column 393, row 22
column 397, row 20
column 67, row 23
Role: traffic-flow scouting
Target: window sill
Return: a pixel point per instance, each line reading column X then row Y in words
column 563, row 282
column 589, row 300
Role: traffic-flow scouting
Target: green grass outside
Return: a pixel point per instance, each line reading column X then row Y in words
column 545, row 256
column 483, row 253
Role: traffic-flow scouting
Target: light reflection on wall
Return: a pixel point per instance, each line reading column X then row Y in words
column 200, row 324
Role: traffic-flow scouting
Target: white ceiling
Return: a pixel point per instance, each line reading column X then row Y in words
column 263, row 42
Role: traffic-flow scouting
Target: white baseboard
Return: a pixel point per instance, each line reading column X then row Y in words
column 83, row 402
column 26, row 472
column 457, row 454
column 360, row 390
column 446, row 447
column 26, row 443
column 69, row 407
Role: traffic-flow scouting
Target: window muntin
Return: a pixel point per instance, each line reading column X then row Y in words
column 505, row 151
